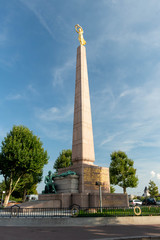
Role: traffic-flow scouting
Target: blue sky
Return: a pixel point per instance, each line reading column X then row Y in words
column 38, row 46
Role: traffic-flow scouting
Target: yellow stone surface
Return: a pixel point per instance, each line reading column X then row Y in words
column 96, row 174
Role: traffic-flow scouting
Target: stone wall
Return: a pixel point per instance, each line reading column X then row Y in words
column 80, row 199
column 109, row 200
column 66, row 200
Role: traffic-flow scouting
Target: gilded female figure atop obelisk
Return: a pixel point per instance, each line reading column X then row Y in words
column 79, row 30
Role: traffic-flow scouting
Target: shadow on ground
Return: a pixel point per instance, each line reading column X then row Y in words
column 77, row 233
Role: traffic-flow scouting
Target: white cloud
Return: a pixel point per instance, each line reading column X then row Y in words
column 38, row 10
column 149, row 39
column 134, row 114
column 14, row 97
column 55, row 114
column 109, row 139
column 55, row 132
column 153, row 174
column 9, row 61
column 46, row 13
column 32, row 89
column 130, row 29
column 128, row 92
column 59, row 74
column 144, row 101
column 25, row 94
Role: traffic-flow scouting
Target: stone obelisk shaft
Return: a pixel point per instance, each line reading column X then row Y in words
column 82, row 144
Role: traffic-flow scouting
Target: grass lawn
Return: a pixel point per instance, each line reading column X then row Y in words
column 119, row 212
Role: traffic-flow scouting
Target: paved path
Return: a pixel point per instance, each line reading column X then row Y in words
column 78, row 233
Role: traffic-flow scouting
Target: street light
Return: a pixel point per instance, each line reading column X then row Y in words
column 100, row 194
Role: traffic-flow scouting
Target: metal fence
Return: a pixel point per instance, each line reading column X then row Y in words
column 120, row 212
column 34, row 212
column 75, row 211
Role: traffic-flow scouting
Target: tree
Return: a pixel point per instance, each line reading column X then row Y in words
column 122, row 172
column 64, row 160
column 27, row 185
column 21, row 153
column 153, row 189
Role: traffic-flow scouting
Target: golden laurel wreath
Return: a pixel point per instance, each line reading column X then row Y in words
column 137, row 213
column 78, row 28
column 75, row 211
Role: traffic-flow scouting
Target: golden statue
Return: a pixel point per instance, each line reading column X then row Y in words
column 79, row 30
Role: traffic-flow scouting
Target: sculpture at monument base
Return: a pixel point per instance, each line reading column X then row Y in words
column 49, row 187
column 54, row 181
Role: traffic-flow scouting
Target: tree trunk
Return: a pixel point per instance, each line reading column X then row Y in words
column 124, row 190
column 10, row 189
column 24, row 194
column 6, row 200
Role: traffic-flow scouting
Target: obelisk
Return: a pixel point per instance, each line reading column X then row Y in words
column 82, row 143
column 83, row 156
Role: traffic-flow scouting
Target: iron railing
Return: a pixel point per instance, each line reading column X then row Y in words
column 120, row 212
column 75, row 211
column 34, row 212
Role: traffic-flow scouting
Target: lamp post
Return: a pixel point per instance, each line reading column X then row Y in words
column 100, row 194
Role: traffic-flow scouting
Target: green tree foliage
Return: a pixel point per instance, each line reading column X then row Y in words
column 27, row 185
column 153, row 189
column 21, row 153
column 122, row 172
column 64, row 160
column 112, row 189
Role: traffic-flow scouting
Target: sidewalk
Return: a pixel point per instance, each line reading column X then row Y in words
column 78, row 221
column 81, row 233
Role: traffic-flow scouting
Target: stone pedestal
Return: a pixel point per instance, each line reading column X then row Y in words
column 88, row 176
column 68, row 184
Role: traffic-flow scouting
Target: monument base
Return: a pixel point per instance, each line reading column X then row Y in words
column 88, row 176
column 86, row 200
